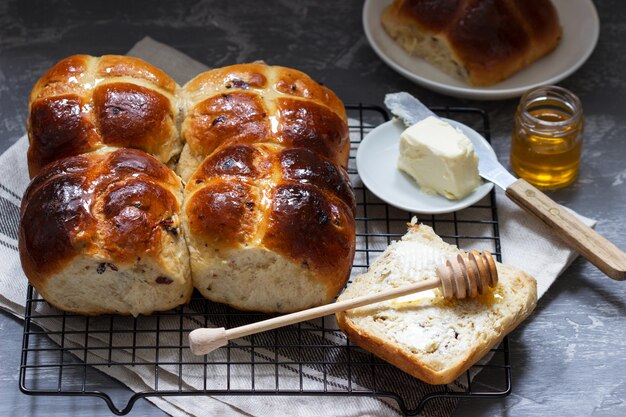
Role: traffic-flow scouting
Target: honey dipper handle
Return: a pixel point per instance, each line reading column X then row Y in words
column 589, row 243
column 203, row 341
column 332, row 308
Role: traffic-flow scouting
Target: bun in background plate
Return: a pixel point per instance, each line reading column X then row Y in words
column 581, row 28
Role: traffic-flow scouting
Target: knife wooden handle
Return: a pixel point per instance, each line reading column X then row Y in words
column 589, row 243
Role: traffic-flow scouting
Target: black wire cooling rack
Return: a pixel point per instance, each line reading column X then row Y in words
column 312, row 358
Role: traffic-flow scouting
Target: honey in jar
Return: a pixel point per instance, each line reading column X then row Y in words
column 547, row 137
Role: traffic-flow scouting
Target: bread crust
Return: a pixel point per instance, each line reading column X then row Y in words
column 522, row 296
column 480, row 41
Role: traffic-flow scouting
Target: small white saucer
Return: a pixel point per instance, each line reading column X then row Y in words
column 376, row 162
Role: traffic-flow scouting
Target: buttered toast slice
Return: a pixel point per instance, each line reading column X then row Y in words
column 431, row 338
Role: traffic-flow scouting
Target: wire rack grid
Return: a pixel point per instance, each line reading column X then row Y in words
column 63, row 354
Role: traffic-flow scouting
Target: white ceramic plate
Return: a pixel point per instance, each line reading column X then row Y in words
column 581, row 27
column 376, row 160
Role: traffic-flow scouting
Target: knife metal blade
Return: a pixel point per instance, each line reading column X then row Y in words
column 410, row 110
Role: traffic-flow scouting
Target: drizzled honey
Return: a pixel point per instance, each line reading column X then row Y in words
column 547, row 137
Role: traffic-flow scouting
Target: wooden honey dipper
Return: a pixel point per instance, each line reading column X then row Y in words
column 459, row 276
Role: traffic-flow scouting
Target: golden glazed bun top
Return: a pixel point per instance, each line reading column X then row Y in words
column 254, row 103
column 84, row 103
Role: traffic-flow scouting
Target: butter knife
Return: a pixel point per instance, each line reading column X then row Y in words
column 590, row 244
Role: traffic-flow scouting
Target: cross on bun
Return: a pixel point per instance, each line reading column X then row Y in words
column 251, row 103
column 479, row 41
column 267, row 221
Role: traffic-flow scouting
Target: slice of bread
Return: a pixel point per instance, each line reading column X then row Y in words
column 431, row 338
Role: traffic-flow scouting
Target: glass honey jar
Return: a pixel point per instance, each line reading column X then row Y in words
column 547, row 137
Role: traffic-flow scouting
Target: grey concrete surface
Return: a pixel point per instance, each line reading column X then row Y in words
column 568, row 359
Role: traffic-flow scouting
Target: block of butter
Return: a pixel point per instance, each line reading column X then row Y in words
column 440, row 158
